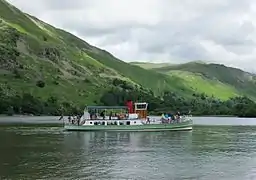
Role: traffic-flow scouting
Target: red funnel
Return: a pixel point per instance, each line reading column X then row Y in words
column 129, row 105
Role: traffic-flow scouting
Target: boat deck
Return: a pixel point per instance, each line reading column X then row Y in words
column 104, row 126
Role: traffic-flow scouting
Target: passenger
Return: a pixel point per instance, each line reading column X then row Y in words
column 178, row 118
column 166, row 116
column 169, row 117
column 110, row 115
column 61, row 117
column 74, row 117
column 78, row 120
column 162, row 115
column 102, row 114
column 72, row 120
column 172, row 118
column 90, row 113
column 148, row 120
column 178, row 114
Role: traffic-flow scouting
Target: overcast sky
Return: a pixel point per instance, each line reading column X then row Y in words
column 175, row 31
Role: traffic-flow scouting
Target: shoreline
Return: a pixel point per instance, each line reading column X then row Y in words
column 204, row 115
column 44, row 115
column 217, row 116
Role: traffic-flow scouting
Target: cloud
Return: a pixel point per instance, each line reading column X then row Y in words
column 220, row 31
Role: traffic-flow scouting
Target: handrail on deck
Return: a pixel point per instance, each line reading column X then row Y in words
column 106, row 107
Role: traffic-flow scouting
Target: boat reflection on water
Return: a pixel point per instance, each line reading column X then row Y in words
column 113, row 152
column 103, row 139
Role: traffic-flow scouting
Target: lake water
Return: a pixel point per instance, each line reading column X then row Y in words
column 38, row 148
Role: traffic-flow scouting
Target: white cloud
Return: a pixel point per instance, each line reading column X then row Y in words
column 221, row 31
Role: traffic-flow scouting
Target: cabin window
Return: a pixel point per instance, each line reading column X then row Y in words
column 141, row 106
column 134, row 122
column 103, row 123
column 121, row 123
column 128, row 122
column 115, row 123
column 95, row 123
column 90, row 122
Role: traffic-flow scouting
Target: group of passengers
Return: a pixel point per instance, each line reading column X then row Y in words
column 74, row 119
column 94, row 115
column 169, row 117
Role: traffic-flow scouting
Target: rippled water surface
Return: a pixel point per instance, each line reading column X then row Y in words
column 47, row 152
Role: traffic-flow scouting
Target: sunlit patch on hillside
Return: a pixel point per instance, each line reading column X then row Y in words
column 41, row 26
column 210, row 87
column 146, row 65
column 16, row 26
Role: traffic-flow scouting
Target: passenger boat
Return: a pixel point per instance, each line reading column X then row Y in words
column 132, row 117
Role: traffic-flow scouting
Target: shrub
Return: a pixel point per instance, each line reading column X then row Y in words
column 40, row 83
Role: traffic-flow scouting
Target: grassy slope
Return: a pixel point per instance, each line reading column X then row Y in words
column 62, row 79
column 212, row 79
column 71, row 68
column 201, row 84
column 71, row 75
column 147, row 65
column 158, row 82
column 244, row 82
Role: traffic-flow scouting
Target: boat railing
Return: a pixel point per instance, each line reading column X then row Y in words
column 177, row 119
column 186, row 118
column 73, row 121
column 83, row 119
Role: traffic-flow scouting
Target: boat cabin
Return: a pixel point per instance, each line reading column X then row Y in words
column 130, row 111
column 105, row 112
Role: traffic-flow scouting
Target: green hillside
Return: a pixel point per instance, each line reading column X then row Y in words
column 212, row 79
column 68, row 58
column 46, row 62
column 199, row 83
column 48, row 70
column 243, row 82
column 194, row 80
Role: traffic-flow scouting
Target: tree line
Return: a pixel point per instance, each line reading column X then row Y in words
column 198, row 104
column 28, row 104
